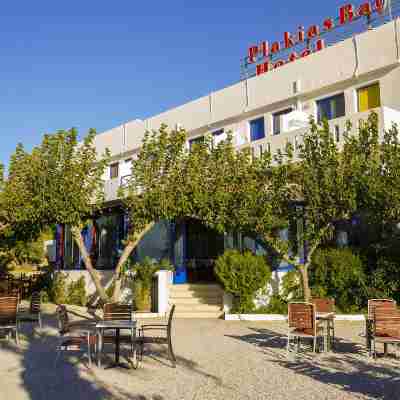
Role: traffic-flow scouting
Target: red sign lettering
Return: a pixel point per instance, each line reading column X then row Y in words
column 346, row 14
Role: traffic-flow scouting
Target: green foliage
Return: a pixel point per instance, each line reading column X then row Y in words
column 242, row 275
column 277, row 305
column 292, row 289
column 338, row 273
column 58, row 289
column 76, row 292
column 143, row 280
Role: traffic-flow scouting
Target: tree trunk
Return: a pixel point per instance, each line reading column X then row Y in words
column 306, row 285
column 76, row 234
column 131, row 245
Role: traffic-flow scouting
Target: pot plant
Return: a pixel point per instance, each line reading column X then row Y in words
column 142, row 281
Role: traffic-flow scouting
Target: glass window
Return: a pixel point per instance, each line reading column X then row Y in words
column 114, row 170
column 277, row 120
column 331, row 107
column 198, row 140
column 257, row 129
column 369, row 97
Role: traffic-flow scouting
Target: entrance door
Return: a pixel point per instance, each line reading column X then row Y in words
column 203, row 246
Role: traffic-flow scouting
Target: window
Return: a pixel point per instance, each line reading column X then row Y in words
column 114, row 170
column 218, row 136
column 277, row 120
column 198, row 140
column 331, row 107
column 257, row 129
column 369, row 97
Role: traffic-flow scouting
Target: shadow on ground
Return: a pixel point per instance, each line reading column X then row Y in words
column 69, row 379
column 348, row 367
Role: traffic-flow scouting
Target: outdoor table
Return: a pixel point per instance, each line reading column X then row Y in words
column 327, row 319
column 117, row 325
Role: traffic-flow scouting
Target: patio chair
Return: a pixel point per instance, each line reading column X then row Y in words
column 386, row 328
column 385, row 303
column 72, row 341
column 8, row 316
column 115, row 312
column 33, row 314
column 303, row 324
column 163, row 336
column 326, row 306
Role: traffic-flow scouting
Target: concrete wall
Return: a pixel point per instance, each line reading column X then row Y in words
column 370, row 56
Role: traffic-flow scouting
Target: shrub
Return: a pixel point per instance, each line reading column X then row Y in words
column 338, row 273
column 76, row 292
column 277, row 305
column 242, row 275
column 143, row 280
column 57, row 290
column 385, row 280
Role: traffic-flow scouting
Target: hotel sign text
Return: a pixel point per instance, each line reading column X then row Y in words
column 311, row 37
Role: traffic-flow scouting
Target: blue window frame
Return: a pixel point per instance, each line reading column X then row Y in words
column 257, row 129
column 331, row 107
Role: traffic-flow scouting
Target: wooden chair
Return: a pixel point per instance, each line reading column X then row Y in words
column 115, row 312
column 385, row 303
column 8, row 316
column 386, row 327
column 72, row 341
column 163, row 336
column 303, row 324
column 326, row 306
column 33, row 314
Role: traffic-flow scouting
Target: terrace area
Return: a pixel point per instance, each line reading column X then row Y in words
column 216, row 359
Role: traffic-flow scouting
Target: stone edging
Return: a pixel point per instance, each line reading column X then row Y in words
column 281, row 317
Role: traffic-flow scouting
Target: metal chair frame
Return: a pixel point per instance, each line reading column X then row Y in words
column 165, row 338
column 70, row 342
column 302, row 323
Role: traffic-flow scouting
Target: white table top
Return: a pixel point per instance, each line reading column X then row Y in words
column 116, row 324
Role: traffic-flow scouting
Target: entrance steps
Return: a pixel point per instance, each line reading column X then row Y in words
column 197, row 300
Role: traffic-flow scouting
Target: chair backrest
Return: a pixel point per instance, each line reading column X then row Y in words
column 324, row 305
column 170, row 317
column 15, row 292
column 301, row 316
column 8, row 310
column 63, row 319
column 386, row 321
column 387, row 303
column 35, row 303
column 117, row 312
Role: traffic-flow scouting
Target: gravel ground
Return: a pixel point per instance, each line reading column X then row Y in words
column 216, row 360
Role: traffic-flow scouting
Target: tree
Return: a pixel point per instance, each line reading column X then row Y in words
column 59, row 182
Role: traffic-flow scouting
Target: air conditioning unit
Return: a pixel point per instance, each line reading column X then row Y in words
column 294, row 120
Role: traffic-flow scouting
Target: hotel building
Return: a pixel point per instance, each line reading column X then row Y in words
column 341, row 72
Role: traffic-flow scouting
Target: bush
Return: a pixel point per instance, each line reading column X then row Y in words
column 76, row 292
column 57, row 290
column 143, row 280
column 277, row 305
column 385, row 280
column 242, row 275
column 338, row 273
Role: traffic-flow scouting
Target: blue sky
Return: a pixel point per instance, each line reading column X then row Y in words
column 101, row 63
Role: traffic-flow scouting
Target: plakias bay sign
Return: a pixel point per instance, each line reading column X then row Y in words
column 307, row 40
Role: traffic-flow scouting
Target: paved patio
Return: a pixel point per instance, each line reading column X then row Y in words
column 216, row 360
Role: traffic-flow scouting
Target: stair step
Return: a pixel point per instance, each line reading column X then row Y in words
column 195, row 288
column 191, row 295
column 197, row 308
column 196, row 315
column 196, row 300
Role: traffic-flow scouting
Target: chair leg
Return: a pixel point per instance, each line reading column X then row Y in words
column 40, row 321
column 88, row 350
column 288, row 344
column 315, row 344
column 171, row 353
column 16, row 335
column 100, row 349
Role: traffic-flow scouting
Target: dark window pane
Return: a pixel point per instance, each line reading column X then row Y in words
column 198, row 140
column 277, row 117
column 114, row 171
column 331, row 107
column 257, row 129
